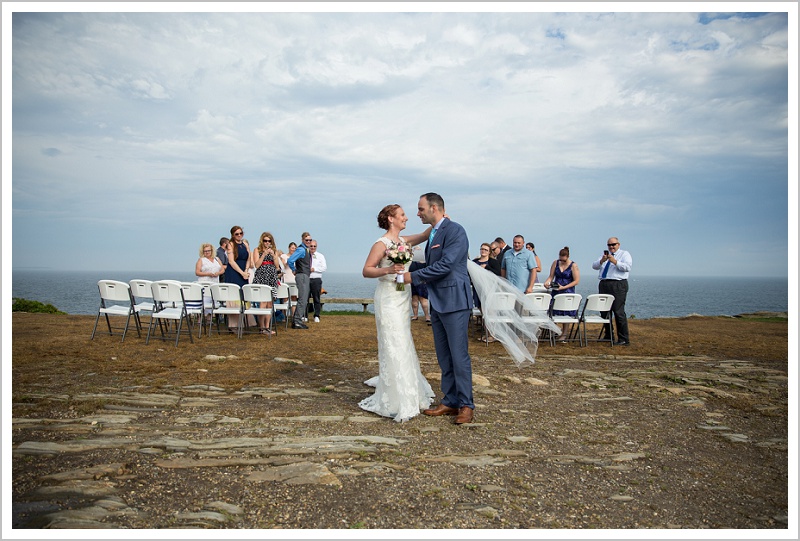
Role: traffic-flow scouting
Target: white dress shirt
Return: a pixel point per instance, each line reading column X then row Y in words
column 619, row 271
column 318, row 265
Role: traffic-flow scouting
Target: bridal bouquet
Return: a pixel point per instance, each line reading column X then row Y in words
column 399, row 254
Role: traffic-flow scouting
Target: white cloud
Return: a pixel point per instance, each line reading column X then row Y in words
column 518, row 119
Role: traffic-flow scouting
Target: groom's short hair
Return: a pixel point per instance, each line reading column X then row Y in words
column 434, row 199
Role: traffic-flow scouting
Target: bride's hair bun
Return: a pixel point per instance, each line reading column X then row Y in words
column 384, row 214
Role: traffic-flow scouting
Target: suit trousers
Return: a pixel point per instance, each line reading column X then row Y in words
column 303, row 292
column 451, row 340
column 618, row 288
column 316, row 293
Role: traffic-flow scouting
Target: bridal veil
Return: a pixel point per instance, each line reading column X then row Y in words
column 518, row 328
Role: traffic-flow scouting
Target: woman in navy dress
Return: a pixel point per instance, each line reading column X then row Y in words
column 236, row 272
column 564, row 276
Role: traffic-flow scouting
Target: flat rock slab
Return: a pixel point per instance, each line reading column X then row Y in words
column 302, row 473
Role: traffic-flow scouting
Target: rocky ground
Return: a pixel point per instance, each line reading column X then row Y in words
column 686, row 428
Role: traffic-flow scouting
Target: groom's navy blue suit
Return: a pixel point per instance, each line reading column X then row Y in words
column 450, row 298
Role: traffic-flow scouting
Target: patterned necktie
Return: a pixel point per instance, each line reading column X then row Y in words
column 430, row 238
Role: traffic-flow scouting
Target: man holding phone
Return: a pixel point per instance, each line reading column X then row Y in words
column 614, row 267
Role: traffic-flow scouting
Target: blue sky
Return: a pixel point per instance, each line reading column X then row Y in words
column 136, row 136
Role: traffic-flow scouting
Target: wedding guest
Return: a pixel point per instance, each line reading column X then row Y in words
column 266, row 264
column 503, row 248
column 486, row 261
column 300, row 263
column 494, row 251
column 614, row 267
column 518, row 266
column 208, row 270
column 564, row 276
column 237, row 271
column 530, row 247
column 318, row 266
column 287, row 274
column 222, row 254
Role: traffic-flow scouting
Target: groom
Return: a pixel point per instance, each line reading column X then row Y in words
column 450, row 300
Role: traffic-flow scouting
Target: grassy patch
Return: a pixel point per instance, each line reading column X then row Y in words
column 25, row 305
column 346, row 313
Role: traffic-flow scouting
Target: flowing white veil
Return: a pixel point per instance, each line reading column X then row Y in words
column 520, row 327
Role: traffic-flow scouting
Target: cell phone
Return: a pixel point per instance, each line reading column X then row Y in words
column 605, row 252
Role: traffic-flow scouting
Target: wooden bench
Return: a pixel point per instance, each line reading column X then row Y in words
column 364, row 302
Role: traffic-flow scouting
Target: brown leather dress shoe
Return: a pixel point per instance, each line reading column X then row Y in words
column 464, row 415
column 441, row 409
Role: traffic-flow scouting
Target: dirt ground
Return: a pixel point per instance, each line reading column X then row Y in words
column 686, row 428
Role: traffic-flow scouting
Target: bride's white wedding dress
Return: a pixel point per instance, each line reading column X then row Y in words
column 401, row 391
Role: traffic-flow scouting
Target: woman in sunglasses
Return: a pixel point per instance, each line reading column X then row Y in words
column 265, row 260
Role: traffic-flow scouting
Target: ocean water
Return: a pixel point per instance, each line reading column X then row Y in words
column 75, row 292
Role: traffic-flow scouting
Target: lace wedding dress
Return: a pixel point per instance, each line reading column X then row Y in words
column 401, row 391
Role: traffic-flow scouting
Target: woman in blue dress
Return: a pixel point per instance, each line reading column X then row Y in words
column 237, row 271
column 564, row 276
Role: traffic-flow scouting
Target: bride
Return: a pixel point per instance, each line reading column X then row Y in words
column 401, row 390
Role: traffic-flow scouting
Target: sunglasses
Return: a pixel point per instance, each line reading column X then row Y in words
column 266, row 240
column 610, row 245
column 239, row 233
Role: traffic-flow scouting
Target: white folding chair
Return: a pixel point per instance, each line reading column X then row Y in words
column 193, row 300
column 566, row 302
column 592, row 313
column 142, row 294
column 169, row 306
column 498, row 309
column 537, row 312
column 221, row 295
column 116, row 300
column 283, row 302
column 262, row 295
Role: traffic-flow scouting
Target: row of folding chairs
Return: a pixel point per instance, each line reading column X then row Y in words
column 543, row 307
column 174, row 305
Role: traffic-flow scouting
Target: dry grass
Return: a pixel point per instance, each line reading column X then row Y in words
column 55, row 352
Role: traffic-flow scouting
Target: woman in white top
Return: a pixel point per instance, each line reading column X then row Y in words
column 208, row 270
column 287, row 276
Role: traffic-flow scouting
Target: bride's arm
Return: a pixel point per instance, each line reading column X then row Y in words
column 413, row 240
column 371, row 269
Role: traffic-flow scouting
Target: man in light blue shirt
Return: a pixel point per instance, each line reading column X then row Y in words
column 519, row 266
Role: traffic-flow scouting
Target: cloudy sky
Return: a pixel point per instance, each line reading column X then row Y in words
column 137, row 136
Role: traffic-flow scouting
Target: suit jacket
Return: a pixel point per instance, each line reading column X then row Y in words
column 445, row 271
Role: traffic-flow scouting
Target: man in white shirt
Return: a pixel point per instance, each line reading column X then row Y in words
column 318, row 266
column 614, row 267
